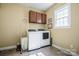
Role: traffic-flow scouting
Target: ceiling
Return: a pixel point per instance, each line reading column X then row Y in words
column 40, row 6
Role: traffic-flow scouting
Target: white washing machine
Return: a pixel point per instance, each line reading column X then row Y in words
column 38, row 39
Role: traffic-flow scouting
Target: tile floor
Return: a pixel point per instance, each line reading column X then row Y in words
column 47, row 51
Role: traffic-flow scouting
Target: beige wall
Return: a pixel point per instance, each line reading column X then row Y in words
column 14, row 22
column 67, row 36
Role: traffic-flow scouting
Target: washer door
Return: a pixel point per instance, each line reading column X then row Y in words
column 34, row 40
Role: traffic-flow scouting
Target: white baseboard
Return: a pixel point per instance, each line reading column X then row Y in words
column 65, row 50
column 7, row 48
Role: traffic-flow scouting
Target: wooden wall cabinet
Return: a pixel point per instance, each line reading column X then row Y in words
column 43, row 18
column 39, row 18
column 32, row 17
column 35, row 17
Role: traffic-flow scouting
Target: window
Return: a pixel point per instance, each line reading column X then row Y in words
column 62, row 17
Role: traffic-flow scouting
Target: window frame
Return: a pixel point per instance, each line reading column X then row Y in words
column 69, row 17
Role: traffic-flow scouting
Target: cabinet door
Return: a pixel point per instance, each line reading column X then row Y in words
column 32, row 17
column 39, row 19
column 43, row 18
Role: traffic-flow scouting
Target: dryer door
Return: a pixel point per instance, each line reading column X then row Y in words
column 45, row 38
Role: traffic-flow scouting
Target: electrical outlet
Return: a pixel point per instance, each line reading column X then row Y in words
column 71, row 46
